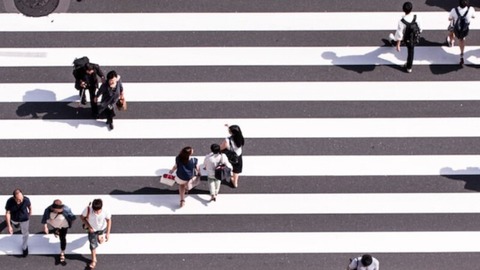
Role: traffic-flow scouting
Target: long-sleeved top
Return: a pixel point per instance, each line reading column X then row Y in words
column 110, row 95
column 90, row 79
column 212, row 160
column 67, row 213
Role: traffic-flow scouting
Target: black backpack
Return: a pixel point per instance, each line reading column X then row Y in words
column 79, row 63
column 412, row 32
column 461, row 26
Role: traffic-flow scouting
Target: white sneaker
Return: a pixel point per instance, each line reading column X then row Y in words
column 409, row 70
column 391, row 37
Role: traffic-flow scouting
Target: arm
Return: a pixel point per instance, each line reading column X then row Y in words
column 99, row 72
column 8, row 221
column 174, row 168
column 109, row 227
column 44, row 219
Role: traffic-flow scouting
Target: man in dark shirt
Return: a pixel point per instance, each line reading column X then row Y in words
column 87, row 78
column 18, row 211
column 111, row 91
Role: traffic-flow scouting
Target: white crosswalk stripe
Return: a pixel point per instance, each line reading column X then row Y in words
column 208, row 126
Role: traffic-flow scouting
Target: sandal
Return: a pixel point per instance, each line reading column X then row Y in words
column 62, row 258
column 182, row 203
column 93, row 264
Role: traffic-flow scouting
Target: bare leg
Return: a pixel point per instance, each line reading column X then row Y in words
column 181, row 191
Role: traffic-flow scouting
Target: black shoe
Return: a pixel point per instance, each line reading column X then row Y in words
column 25, row 252
column 84, row 102
column 461, row 61
column 110, row 126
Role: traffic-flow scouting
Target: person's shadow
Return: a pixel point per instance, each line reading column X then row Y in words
column 54, row 109
column 449, row 4
column 384, row 55
column 470, row 175
column 170, row 202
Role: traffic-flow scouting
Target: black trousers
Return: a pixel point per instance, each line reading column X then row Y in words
column 91, row 92
column 410, row 53
column 62, row 234
column 109, row 114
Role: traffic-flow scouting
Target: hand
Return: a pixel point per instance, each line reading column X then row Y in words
column 398, row 47
column 10, row 229
column 90, row 229
column 107, row 236
column 45, row 230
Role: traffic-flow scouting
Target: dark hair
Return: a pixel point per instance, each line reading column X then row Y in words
column 215, row 148
column 407, row 7
column 237, row 135
column 89, row 66
column 112, row 74
column 463, row 3
column 184, row 155
column 97, row 204
column 57, row 204
column 16, row 191
column 366, row 260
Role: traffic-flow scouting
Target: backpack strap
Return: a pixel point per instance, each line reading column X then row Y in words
column 408, row 23
column 464, row 15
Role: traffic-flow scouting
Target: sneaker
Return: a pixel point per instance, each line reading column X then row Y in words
column 110, row 126
column 391, row 38
column 409, row 70
column 25, row 252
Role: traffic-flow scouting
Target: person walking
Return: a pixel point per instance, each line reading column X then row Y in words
column 187, row 169
column 98, row 222
column 212, row 160
column 407, row 33
column 365, row 262
column 18, row 211
column 86, row 77
column 60, row 218
column 234, row 143
column 111, row 91
column 460, row 18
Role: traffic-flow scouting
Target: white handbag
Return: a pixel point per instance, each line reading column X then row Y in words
column 167, row 179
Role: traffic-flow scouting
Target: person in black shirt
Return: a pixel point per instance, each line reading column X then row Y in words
column 18, row 212
column 111, row 91
column 87, row 78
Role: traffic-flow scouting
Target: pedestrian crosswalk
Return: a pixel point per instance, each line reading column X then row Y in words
column 337, row 162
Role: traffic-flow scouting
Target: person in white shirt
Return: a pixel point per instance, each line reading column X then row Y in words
column 365, row 262
column 59, row 217
column 399, row 37
column 98, row 222
column 235, row 143
column 211, row 161
column 469, row 13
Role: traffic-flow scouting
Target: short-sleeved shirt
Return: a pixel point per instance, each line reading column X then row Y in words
column 357, row 264
column 18, row 212
column 97, row 222
column 470, row 15
column 402, row 27
column 186, row 171
column 232, row 146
